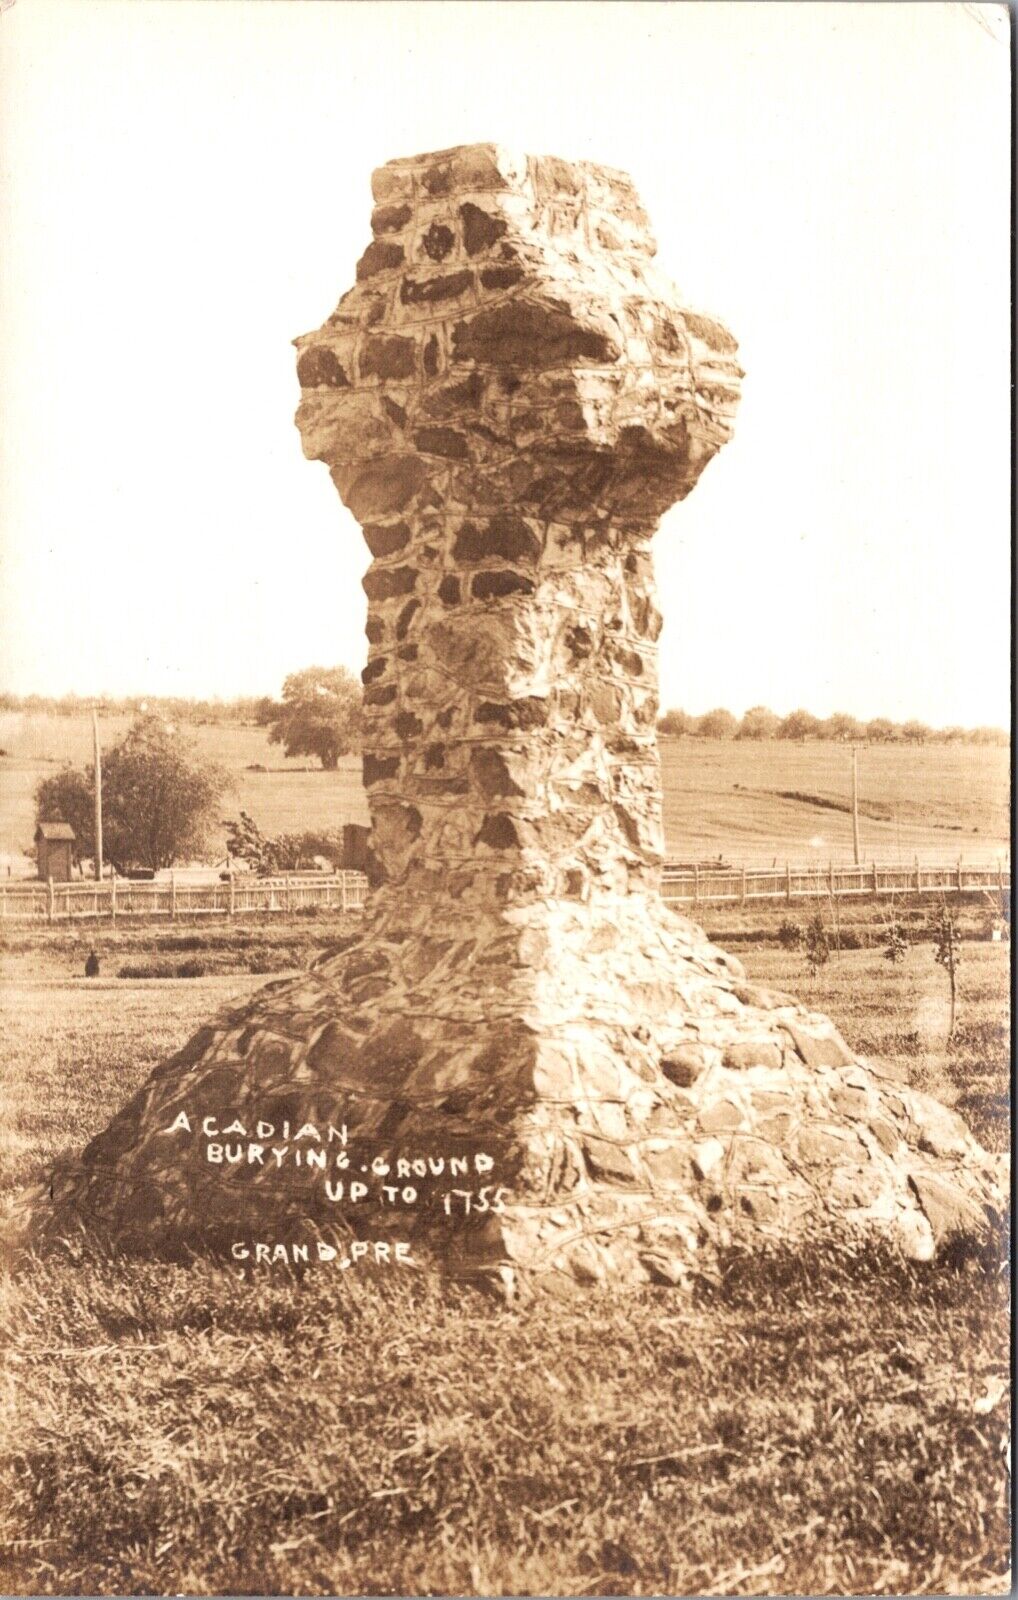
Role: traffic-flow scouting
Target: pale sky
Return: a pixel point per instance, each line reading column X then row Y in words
column 185, row 188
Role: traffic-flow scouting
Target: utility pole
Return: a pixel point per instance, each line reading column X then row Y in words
column 855, row 803
column 98, row 796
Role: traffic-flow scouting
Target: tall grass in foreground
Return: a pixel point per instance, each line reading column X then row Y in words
column 808, row 1421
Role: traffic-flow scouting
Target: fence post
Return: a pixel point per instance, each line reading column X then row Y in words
column 1000, row 878
column 287, row 896
column 959, row 875
column 918, row 880
column 113, row 898
column 50, row 900
column 233, row 895
column 173, row 896
column 342, row 891
column 788, row 882
column 876, row 885
column 830, row 875
column 743, row 900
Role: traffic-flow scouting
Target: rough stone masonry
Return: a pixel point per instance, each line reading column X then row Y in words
column 507, row 401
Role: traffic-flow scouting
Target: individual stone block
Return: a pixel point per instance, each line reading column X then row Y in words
column 819, row 1050
column 822, row 1145
column 684, row 1064
column 745, row 1053
column 722, row 1117
column 951, row 1212
column 608, row 1162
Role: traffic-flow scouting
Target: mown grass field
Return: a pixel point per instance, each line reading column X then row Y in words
column 812, row 1423
column 719, row 797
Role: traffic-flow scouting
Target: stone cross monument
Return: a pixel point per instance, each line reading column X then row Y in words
column 508, row 400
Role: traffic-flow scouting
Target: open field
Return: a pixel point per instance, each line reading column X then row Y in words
column 809, row 1423
column 728, row 798
column 719, row 797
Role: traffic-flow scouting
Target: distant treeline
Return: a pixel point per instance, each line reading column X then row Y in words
column 759, row 722
column 762, row 723
column 256, row 709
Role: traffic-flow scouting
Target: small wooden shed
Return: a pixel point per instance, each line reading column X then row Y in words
column 54, row 842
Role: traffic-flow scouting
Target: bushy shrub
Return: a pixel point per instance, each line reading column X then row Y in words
column 164, row 969
column 897, row 944
column 267, row 854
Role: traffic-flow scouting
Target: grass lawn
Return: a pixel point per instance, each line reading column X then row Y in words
column 813, row 1422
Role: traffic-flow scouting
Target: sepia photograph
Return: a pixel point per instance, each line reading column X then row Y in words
column 505, row 797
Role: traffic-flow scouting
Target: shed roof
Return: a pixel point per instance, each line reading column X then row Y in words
column 54, row 830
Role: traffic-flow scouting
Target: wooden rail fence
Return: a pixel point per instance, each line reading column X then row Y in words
column 242, row 895
column 237, row 896
column 740, row 885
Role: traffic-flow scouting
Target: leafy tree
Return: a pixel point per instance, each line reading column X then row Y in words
column 319, row 714
column 896, row 948
column 799, row 725
column 160, row 799
column 246, row 842
column 69, row 796
column 947, row 955
column 840, row 727
column 760, row 722
column 881, row 731
column 916, row 732
column 716, row 724
column 266, row 854
column 674, row 723
column 817, row 944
